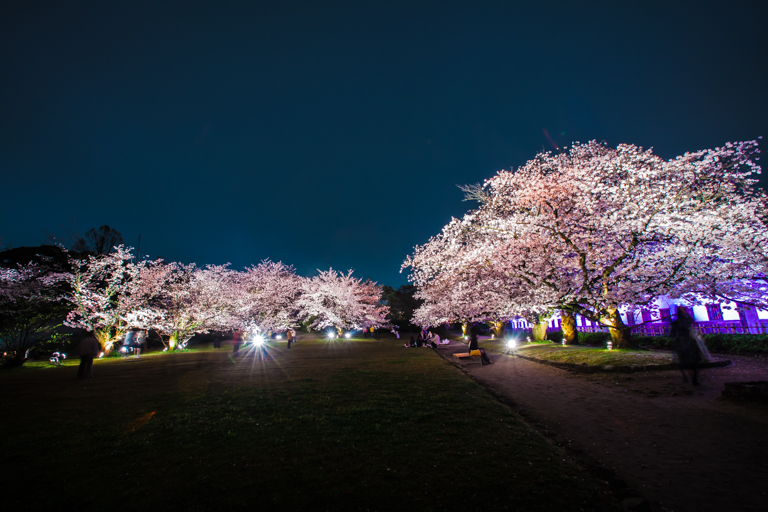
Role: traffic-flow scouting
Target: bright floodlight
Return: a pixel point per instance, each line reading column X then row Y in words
column 347, row 335
column 258, row 339
column 279, row 337
column 511, row 343
column 332, row 335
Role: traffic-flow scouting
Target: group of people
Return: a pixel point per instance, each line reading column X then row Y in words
column 688, row 345
column 136, row 341
column 426, row 339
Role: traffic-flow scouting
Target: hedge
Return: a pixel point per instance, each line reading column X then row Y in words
column 717, row 343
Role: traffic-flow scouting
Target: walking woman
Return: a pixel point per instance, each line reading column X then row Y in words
column 684, row 343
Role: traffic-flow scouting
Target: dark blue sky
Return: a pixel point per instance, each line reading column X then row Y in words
column 333, row 133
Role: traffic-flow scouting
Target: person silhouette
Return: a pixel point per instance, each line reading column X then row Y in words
column 685, row 345
column 473, row 345
column 90, row 348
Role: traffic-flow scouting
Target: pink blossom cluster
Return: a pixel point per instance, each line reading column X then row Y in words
column 111, row 294
column 596, row 229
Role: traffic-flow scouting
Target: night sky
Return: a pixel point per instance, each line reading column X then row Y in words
column 333, row 134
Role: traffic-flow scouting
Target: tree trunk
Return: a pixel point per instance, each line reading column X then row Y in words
column 464, row 328
column 568, row 324
column 497, row 327
column 104, row 338
column 539, row 330
column 621, row 335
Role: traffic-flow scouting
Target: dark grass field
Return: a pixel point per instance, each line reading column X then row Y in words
column 359, row 425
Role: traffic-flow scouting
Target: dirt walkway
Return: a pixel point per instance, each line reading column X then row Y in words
column 680, row 446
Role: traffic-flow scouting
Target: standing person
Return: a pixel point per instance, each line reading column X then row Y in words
column 473, row 345
column 289, row 335
column 141, row 341
column 685, row 345
column 237, row 340
column 130, row 340
column 90, row 348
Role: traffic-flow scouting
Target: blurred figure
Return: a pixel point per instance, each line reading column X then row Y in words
column 685, row 345
column 237, row 340
column 90, row 348
column 141, row 342
column 289, row 335
column 130, row 340
column 473, row 345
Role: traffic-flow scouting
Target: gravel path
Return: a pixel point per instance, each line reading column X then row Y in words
column 681, row 446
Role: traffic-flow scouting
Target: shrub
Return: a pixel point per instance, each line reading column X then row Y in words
column 662, row 342
column 555, row 337
column 719, row 343
column 519, row 334
column 57, row 342
column 737, row 343
column 594, row 339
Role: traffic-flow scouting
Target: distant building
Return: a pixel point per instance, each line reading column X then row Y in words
column 730, row 318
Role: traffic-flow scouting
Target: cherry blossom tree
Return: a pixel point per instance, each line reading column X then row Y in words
column 218, row 295
column 266, row 297
column 596, row 228
column 338, row 300
column 110, row 295
column 190, row 300
column 464, row 275
column 622, row 226
column 31, row 306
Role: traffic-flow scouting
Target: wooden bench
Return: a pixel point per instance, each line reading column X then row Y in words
column 471, row 355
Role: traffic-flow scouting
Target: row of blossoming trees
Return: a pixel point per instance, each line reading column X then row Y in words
column 596, row 230
column 111, row 294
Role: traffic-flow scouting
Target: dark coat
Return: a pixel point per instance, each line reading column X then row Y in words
column 473, row 342
column 683, row 343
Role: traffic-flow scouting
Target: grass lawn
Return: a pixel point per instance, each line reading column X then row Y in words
column 591, row 355
column 350, row 425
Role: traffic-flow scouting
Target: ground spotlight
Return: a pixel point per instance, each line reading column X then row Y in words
column 347, row 335
column 511, row 343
